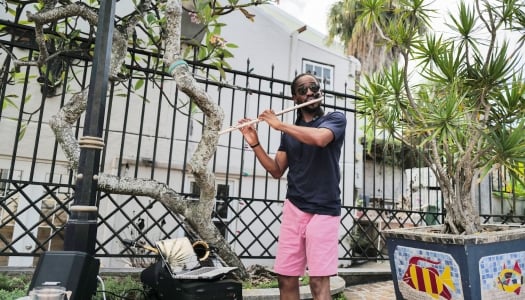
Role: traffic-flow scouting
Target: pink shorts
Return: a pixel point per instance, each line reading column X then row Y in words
column 307, row 241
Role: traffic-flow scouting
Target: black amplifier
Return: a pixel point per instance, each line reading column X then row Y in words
column 161, row 286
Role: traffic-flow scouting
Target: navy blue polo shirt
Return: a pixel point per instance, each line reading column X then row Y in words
column 313, row 172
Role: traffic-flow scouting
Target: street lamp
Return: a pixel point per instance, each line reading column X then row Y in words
column 75, row 268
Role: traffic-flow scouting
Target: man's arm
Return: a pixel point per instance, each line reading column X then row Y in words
column 319, row 137
column 276, row 166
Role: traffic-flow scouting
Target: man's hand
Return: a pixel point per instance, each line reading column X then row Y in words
column 249, row 132
column 270, row 117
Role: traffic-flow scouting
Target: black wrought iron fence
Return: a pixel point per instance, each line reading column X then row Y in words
column 150, row 132
column 251, row 227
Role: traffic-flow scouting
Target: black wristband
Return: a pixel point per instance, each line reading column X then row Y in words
column 255, row 145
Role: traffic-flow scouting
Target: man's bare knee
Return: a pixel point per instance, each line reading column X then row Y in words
column 320, row 287
column 288, row 287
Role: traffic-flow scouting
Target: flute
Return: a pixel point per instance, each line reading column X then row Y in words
column 289, row 109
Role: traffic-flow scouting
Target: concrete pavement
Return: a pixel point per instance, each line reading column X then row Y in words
column 368, row 281
column 380, row 290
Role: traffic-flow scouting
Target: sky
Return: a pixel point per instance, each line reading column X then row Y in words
column 312, row 12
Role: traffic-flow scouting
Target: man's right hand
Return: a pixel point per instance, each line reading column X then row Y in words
column 249, row 132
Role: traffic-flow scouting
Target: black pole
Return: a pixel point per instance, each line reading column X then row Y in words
column 81, row 229
column 75, row 268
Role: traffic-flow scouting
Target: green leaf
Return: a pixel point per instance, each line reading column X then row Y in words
column 138, row 84
column 8, row 102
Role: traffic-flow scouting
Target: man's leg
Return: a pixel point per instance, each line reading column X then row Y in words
column 289, row 287
column 320, row 287
column 290, row 260
column 322, row 237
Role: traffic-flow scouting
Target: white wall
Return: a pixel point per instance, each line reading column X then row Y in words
column 269, row 41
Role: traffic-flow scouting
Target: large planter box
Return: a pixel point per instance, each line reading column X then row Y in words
column 429, row 265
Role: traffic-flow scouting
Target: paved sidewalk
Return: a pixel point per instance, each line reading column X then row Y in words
column 369, row 281
column 381, row 290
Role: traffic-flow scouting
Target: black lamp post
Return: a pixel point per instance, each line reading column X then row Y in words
column 81, row 229
column 75, row 268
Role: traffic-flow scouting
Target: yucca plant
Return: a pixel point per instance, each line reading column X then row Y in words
column 463, row 104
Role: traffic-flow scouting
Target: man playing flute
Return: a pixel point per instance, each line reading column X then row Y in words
column 310, row 149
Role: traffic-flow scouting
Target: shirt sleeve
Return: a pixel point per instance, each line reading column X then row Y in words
column 336, row 122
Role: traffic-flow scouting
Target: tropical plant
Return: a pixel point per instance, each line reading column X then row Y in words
column 463, row 101
column 354, row 23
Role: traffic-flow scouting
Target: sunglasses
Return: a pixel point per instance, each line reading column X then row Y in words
column 303, row 89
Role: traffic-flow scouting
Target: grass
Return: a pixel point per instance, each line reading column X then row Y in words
column 271, row 284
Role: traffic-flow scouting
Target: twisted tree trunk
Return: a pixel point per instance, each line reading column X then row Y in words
column 196, row 213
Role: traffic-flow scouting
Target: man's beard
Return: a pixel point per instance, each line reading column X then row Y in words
column 317, row 110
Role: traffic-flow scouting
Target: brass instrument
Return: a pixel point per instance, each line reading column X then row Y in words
column 202, row 249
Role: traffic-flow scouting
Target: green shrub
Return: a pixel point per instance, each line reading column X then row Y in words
column 13, row 287
column 20, row 281
column 12, row 294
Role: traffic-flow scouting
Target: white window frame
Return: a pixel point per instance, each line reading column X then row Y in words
column 323, row 72
column 60, row 178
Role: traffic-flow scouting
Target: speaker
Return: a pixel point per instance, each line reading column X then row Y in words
column 76, row 271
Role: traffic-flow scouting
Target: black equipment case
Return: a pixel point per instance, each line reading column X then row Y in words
column 162, row 286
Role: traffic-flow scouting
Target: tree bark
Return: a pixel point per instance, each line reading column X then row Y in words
column 461, row 216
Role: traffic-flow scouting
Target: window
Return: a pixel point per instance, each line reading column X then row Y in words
column 61, row 179
column 221, row 204
column 195, row 190
column 323, row 73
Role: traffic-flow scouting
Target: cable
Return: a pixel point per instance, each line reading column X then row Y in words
column 103, row 287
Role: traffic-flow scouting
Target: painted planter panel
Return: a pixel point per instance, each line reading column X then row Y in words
column 501, row 276
column 468, row 270
column 423, row 274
